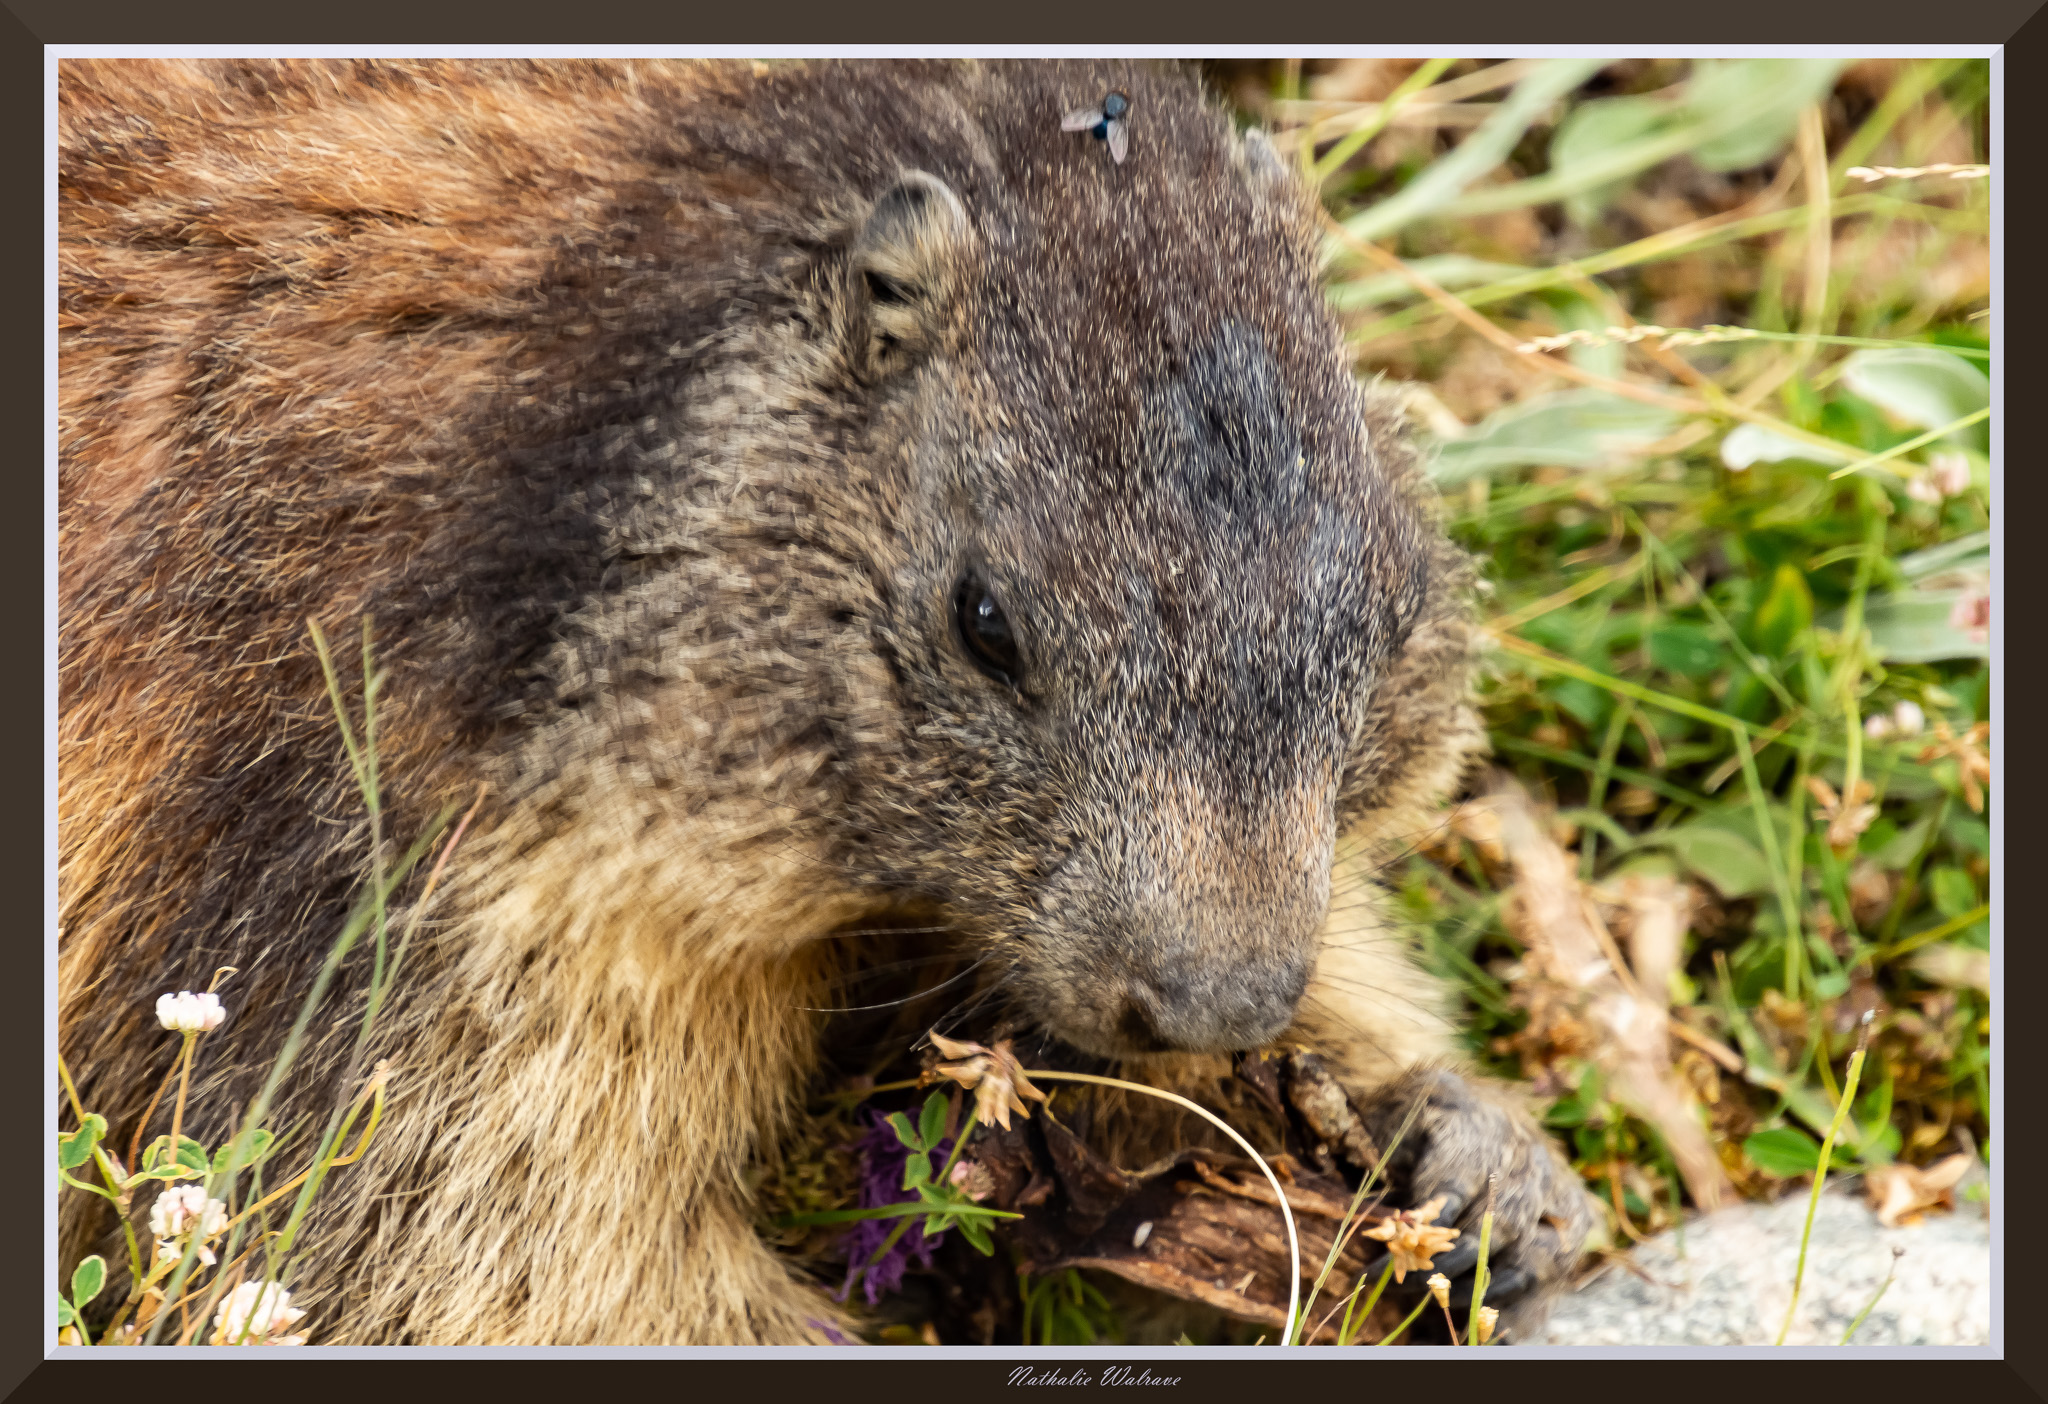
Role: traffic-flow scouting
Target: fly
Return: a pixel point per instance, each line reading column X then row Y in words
column 1108, row 120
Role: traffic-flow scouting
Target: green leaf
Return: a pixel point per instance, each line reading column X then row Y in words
column 1963, row 553
column 87, row 1279
column 1952, row 890
column 1786, row 612
column 1925, row 387
column 168, row 1172
column 1686, row 649
column 931, row 1124
column 1913, row 627
column 1772, row 90
column 1783, row 1152
column 67, row 1315
column 1733, row 864
column 1804, row 1101
column 1897, row 851
column 1707, row 121
column 1747, row 444
column 1442, row 181
column 917, row 1170
column 1973, row 834
column 191, row 1155
column 260, row 1142
column 905, row 1132
column 975, row 1231
column 887, row 1211
column 75, row 1148
column 1567, row 1111
column 1579, row 428
column 77, row 1183
column 1588, row 705
column 1590, row 130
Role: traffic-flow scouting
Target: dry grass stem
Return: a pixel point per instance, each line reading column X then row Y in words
column 1949, row 169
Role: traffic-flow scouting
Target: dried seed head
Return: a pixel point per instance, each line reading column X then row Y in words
column 1846, row 816
column 1413, row 1237
column 991, row 1074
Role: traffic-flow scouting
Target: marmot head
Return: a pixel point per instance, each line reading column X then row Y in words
column 1145, row 566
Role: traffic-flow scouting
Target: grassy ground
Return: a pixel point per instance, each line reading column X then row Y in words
column 1735, row 585
column 1675, row 557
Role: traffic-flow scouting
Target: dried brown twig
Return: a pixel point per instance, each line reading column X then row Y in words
column 1621, row 1001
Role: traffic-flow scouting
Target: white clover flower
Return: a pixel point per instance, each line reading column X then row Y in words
column 169, row 1252
column 1904, row 719
column 255, row 1313
column 1922, row 487
column 973, row 1180
column 1949, row 471
column 190, row 1013
column 179, row 1208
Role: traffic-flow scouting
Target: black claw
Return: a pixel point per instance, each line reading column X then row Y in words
column 1459, row 1259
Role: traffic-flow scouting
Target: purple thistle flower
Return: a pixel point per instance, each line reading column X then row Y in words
column 882, row 1158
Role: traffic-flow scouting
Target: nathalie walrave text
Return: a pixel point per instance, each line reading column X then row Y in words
column 1114, row 1375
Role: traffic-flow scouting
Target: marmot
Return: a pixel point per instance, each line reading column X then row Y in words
column 799, row 494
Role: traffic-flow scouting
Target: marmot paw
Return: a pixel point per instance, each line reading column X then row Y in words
column 1479, row 1153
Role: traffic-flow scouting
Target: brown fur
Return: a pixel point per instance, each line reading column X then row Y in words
column 652, row 411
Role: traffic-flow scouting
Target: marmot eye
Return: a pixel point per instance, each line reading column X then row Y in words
column 985, row 632
column 886, row 290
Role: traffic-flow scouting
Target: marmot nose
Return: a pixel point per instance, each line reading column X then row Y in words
column 1225, row 1008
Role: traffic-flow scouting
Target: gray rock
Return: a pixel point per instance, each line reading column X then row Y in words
column 1732, row 1284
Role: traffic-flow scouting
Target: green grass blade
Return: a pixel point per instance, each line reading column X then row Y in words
column 1820, row 1176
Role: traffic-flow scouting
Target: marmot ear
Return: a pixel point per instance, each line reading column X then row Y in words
column 902, row 269
column 1263, row 166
